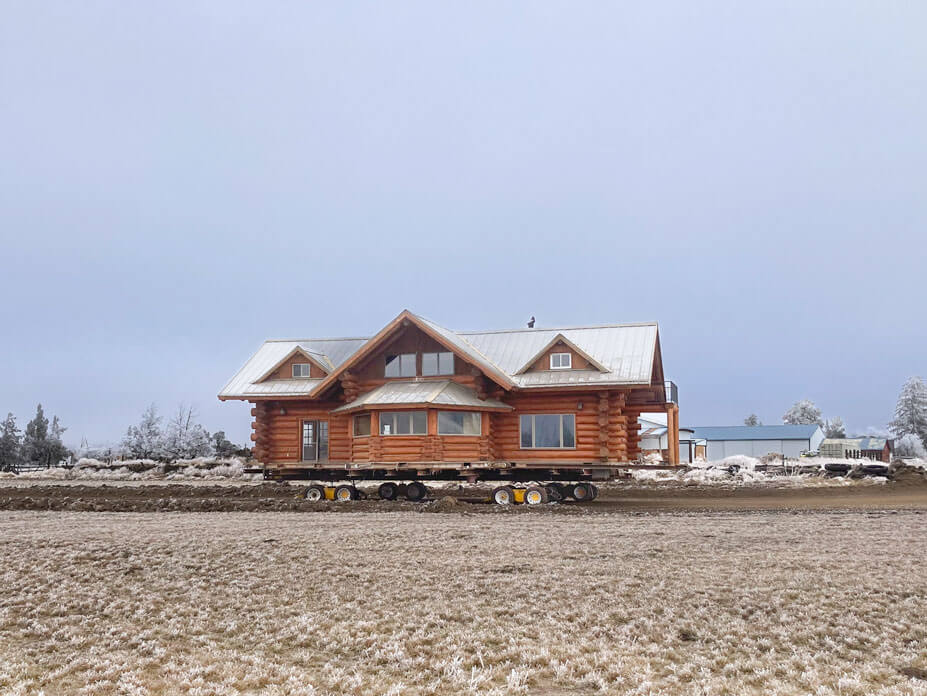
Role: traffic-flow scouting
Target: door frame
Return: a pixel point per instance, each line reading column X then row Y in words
column 321, row 433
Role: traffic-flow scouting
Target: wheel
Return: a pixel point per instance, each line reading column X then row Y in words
column 581, row 492
column 595, row 491
column 555, row 492
column 503, row 495
column 536, row 495
column 345, row 493
column 388, row 491
column 315, row 493
column 416, row 491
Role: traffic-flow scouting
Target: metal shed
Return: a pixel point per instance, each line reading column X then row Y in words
column 760, row 440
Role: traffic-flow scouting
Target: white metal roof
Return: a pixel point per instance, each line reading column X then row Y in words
column 432, row 392
column 625, row 351
column 246, row 382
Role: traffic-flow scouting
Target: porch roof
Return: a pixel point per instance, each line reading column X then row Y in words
column 423, row 392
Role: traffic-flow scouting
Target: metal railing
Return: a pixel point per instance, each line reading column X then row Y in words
column 672, row 392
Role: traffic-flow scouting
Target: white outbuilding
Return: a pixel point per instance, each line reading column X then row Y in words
column 760, row 440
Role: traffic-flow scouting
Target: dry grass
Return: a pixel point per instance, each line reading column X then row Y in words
column 406, row 603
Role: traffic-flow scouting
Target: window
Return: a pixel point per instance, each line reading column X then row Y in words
column 301, row 369
column 403, row 423
column 400, row 365
column 362, row 425
column 548, row 431
column 561, row 361
column 437, row 364
column 459, row 423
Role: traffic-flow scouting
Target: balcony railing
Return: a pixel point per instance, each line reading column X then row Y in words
column 672, row 392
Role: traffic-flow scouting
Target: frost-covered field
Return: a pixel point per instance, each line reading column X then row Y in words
column 404, row 603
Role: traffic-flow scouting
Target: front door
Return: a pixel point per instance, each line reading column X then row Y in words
column 315, row 441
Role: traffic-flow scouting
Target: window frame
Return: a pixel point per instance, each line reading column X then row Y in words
column 438, row 372
column 399, row 357
column 308, row 367
column 532, row 416
column 369, row 425
column 561, row 366
column 479, row 421
column 411, row 414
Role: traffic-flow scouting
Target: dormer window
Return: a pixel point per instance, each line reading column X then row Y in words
column 402, row 365
column 561, row 361
column 301, row 370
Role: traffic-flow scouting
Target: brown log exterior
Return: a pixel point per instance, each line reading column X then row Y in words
column 607, row 431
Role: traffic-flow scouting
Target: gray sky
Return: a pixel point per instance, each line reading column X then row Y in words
column 179, row 181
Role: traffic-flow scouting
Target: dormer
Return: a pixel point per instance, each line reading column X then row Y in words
column 561, row 354
column 299, row 364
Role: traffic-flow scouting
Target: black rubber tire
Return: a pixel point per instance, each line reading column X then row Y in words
column 595, row 491
column 536, row 495
column 581, row 492
column 555, row 492
column 416, row 491
column 503, row 495
column 345, row 493
column 315, row 493
column 388, row 491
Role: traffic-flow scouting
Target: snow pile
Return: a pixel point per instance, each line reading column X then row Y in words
column 146, row 469
column 744, row 470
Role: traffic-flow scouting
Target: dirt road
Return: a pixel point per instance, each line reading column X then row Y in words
column 614, row 498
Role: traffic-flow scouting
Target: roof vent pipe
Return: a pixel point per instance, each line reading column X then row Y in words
column 531, row 323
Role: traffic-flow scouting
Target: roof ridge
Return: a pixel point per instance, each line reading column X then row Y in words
column 559, row 328
column 310, row 340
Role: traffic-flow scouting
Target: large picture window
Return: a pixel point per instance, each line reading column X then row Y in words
column 437, row 364
column 403, row 423
column 362, row 425
column 459, row 423
column 548, row 431
column 402, row 365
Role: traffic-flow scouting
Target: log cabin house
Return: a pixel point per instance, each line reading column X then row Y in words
column 419, row 400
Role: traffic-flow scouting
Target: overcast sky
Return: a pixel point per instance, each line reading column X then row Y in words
column 179, row 181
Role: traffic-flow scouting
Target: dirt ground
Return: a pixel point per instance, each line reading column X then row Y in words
column 279, row 604
column 631, row 497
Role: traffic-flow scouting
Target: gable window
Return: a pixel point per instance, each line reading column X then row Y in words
column 561, row 361
column 548, row 431
column 403, row 423
column 459, row 423
column 362, row 425
column 301, row 370
column 402, row 365
column 437, row 364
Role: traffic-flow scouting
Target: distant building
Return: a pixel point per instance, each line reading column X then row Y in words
column 759, row 440
column 655, row 439
column 876, row 448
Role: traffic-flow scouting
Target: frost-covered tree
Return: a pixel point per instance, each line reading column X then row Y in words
column 911, row 411
column 145, row 440
column 55, row 449
column 804, row 412
column 834, row 427
column 910, row 445
column 222, row 446
column 10, row 444
column 41, row 444
column 752, row 420
column 184, row 437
